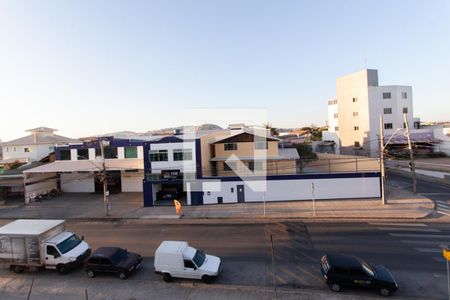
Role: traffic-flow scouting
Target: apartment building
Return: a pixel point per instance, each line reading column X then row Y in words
column 354, row 114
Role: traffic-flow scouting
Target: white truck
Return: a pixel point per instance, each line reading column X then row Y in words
column 41, row 243
column 178, row 259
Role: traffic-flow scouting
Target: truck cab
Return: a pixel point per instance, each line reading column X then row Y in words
column 65, row 251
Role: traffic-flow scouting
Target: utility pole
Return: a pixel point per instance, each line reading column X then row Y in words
column 383, row 193
column 411, row 155
column 104, row 143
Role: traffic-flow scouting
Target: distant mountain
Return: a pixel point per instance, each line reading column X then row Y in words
column 208, row 127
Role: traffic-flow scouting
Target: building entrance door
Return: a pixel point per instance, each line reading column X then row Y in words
column 240, row 193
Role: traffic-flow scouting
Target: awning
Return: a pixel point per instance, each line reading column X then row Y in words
column 88, row 166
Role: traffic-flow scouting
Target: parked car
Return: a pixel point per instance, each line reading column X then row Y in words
column 341, row 270
column 178, row 259
column 112, row 260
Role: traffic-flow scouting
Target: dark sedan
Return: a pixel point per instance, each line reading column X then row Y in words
column 341, row 270
column 112, row 260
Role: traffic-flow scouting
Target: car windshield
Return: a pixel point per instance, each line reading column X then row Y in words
column 199, row 258
column 118, row 256
column 68, row 244
column 367, row 269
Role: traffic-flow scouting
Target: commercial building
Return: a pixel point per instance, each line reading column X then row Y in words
column 354, row 114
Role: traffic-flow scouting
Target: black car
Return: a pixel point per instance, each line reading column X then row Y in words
column 341, row 270
column 112, row 260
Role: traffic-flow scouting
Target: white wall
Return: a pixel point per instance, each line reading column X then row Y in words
column 187, row 166
column 283, row 190
column 132, row 181
column 39, row 184
column 77, row 182
column 37, row 152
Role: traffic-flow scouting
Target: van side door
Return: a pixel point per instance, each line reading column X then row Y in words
column 190, row 269
column 51, row 256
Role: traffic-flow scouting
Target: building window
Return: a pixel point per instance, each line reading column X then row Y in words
column 7, row 149
column 130, row 152
column 110, row 152
column 387, row 111
column 386, row 95
column 230, row 146
column 404, row 95
column 26, row 149
column 182, row 154
column 357, row 145
column 229, row 166
column 404, row 125
column 355, row 113
column 332, row 102
column 356, row 128
column 261, row 145
column 388, row 126
column 82, row 154
column 335, row 116
column 98, row 152
column 65, row 154
column 14, row 149
column 159, row 155
column 405, row 110
column 336, row 128
column 355, row 99
column 251, row 166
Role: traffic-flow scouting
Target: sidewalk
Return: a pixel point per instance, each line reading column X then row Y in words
column 400, row 205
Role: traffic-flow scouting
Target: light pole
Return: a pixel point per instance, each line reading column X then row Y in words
column 383, row 193
column 103, row 144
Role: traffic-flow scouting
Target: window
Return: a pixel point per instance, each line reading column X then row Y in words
column 98, row 152
column 404, row 95
column 7, row 149
column 52, row 251
column 386, row 95
column 14, row 149
column 355, row 99
column 387, row 111
column 388, row 126
column 357, row 145
column 159, row 155
column 251, row 166
column 355, row 113
column 404, row 125
column 332, row 102
column 405, row 110
column 261, row 145
column 182, row 154
column 65, row 154
column 336, row 128
column 26, row 149
column 230, row 146
column 189, row 264
column 336, row 116
column 110, row 152
column 356, row 128
column 82, row 154
column 229, row 166
column 130, row 152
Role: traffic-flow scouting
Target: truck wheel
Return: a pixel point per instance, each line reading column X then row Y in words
column 207, row 279
column 62, row 269
column 90, row 274
column 17, row 269
column 167, row 277
column 335, row 287
column 385, row 292
column 122, row 275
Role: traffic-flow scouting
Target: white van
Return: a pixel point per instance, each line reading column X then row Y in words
column 178, row 259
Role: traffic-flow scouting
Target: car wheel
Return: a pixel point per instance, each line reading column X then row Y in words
column 335, row 287
column 18, row 269
column 122, row 275
column 90, row 274
column 62, row 269
column 206, row 279
column 167, row 277
column 385, row 292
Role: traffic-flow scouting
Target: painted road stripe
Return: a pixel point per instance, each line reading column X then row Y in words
column 399, row 224
column 428, row 236
column 429, row 250
column 409, row 229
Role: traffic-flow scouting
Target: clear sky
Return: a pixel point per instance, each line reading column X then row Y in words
column 90, row 67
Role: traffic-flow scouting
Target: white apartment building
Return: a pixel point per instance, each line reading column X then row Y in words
column 38, row 144
column 354, row 115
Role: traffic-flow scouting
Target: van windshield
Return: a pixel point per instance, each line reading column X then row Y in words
column 68, row 244
column 199, row 258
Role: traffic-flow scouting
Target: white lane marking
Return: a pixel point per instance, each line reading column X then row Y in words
column 429, row 250
column 428, row 236
column 399, row 224
column 409, row 229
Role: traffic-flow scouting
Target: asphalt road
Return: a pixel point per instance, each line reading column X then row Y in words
column 439, row 193
column 410, row 250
